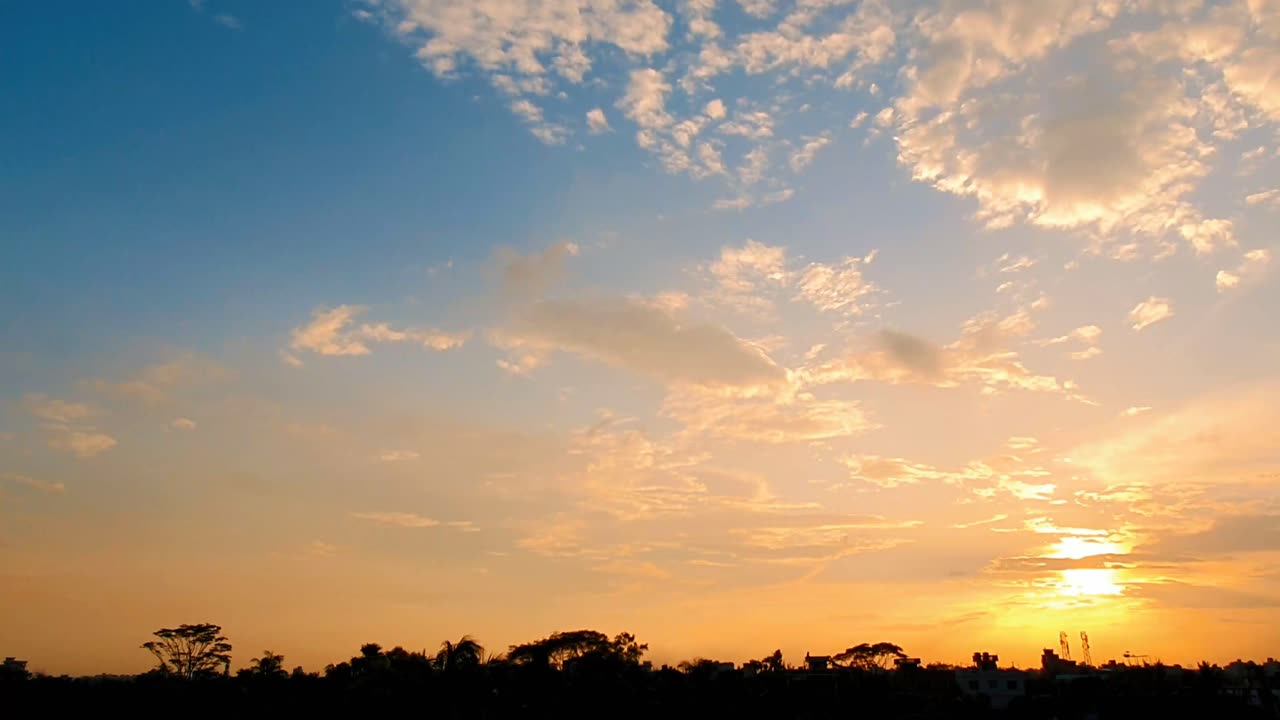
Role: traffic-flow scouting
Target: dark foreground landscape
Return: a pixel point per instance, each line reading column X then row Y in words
column 586, row 674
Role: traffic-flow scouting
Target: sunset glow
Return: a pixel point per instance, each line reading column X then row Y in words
column 736, row 325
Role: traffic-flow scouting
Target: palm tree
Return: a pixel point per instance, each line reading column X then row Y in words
column 269, row 665
column 466, row 653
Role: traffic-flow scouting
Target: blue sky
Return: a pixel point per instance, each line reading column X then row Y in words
column 643, row 311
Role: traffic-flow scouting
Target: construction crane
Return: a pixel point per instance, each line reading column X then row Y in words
column 1066, row 646
column 1084, row 644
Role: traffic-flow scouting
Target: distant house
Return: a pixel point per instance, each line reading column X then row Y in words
column 987, row 679
column 13, row 668
column 1051, row 664
column 817, row 663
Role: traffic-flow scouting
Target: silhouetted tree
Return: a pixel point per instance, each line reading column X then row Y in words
column 773, row 663
column 563, row 646
column 466, row 653
column 190, row 650
column 877, row 657
column 270, row 665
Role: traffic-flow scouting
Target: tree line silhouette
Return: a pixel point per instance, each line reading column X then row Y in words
column 588, row 674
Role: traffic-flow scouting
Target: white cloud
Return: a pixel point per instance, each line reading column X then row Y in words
column 157, row 383
column 183, row 424
column 1150, row 311
column 1087, row 353
column 758, row 8
column 801, row 158
column 326, row 333
column 526, row 110
column 524, row 37
column 1252, row 265
column 397, row 519
column 231, row 22
column 596, row 121
column 1098, row 117
column 773, row 420
column 1085, row 334
column 979, row 356
column 329, row 333
column 637, row 336
column 54, row 410
column 41, row 485
column 836, row 288
column 1136, row 410
column 753, row 125
column 398, row 455
column 82, row 444
column 1267, row 198
column 645, row 99
column 528, row 275
column 743, row 269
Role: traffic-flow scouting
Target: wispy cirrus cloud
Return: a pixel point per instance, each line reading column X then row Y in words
column 330, row 332
column 1149, row 312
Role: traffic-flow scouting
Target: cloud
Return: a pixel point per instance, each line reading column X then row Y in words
column 329, row 334
column 1177, row 594
column 526, row 276
column 41, row 485
column 838, row 287
column 549, row 133
column 155, row 384
column 58, row 411
column 1253, row 264
column 1099, row 118
column 768, row 419
column 231, row 22
column 634, row 335
column 495, row 35
column 890, row 472
column 326, row 333
column 397, row 519
column 320, row 548
column 1266, row 198
column 748, row 275
column 1225, row 536
column 82, row 444
column 183, row 424
column 645, row 99
column 1086, row 334
column 398, row 455
column 1150, row 311
column 1228, row 436
column 1086, row 354
column 1007, row 264
column 979, row 356
column 801, row 158
column 746, row 268
column 596, row 121
column 1135, row 411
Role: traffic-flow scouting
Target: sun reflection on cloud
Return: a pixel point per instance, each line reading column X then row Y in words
column 1074, row 547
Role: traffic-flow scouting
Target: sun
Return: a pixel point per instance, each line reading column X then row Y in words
column 1089, row 582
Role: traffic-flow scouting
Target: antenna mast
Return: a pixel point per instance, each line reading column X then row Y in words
column 1066, row 647
column 1084, row 643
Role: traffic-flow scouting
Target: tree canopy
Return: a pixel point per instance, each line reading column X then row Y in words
column 190, row 650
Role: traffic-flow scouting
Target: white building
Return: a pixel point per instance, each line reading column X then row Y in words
column 986, row 679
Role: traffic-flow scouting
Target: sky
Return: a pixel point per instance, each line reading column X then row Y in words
column 735, row 324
